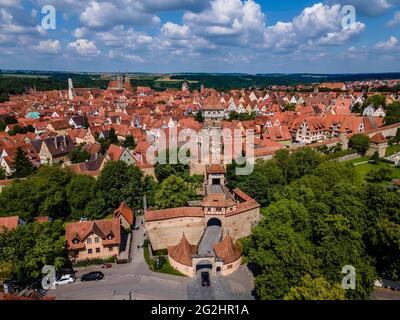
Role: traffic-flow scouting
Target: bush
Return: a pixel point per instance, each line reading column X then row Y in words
column 95, row 261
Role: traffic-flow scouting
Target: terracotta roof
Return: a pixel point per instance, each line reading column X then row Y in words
column 183, row 252
column 102, row 228
column 43, row 219
column 379, row 138
column 9, row 223
column 216, row 169
column 126, row 212
column 173, row 213
column 212, row 103
column 217, row 200
column 115, row 152
column 242, row 207
column 242, row 195
column 227, row 250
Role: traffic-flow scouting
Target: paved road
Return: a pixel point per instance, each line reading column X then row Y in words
column 235, row 287
column 143, row 284
column 120, row 280
column 211, row 236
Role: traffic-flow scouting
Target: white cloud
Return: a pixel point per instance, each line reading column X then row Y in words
column 84, row 47
column 80, row 32
column 368, row 7
column 318, row 25
column 387, row 45
column 395, row 21
column 10, row 3
column 239, row 21
column 107, row 14
column 174, row 30
column 121, row 55
column 48, row 47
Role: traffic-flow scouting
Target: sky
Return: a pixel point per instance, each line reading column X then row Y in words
column 217, row 36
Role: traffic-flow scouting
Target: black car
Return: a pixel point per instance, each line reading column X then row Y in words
column 93, row 276
column 205, row 279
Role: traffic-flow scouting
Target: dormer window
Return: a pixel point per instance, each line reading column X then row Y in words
column 110, row 236
column 75, row 241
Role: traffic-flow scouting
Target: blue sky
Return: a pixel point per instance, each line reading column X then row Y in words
column 253, row 36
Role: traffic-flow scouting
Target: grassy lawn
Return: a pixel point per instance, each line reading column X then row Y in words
column 391, row 150
column 355, row 161
column 364, row 169
column 165, row 268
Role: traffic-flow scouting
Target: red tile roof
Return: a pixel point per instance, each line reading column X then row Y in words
column 215, row 169
column 173, row 213
column 126, row 212
column 9, row 223
column 227, row 250
column 102, row 228
column 183, row 252
column 379, row 138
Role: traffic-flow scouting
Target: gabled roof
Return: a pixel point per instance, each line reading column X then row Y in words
column 126, row 212
column 102, row 228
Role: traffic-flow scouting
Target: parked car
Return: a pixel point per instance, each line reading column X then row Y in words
column 93, row 276
column 106, row 265
column 205, row 279
column 65, row 279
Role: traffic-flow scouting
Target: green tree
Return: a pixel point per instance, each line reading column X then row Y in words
column 22, row 165
column 42, row 193
column 376, row 101
column 360, row 142
column 32, row 246
column 281, row 257
column 3, row 173
column 77, row 155
column 381, row 175
column 119, row 182
column 80, row 191
column 129, row 142
column 316, row 289
column 112, row 137
column 163, row 171
column 392, row 113
column 172, row 193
